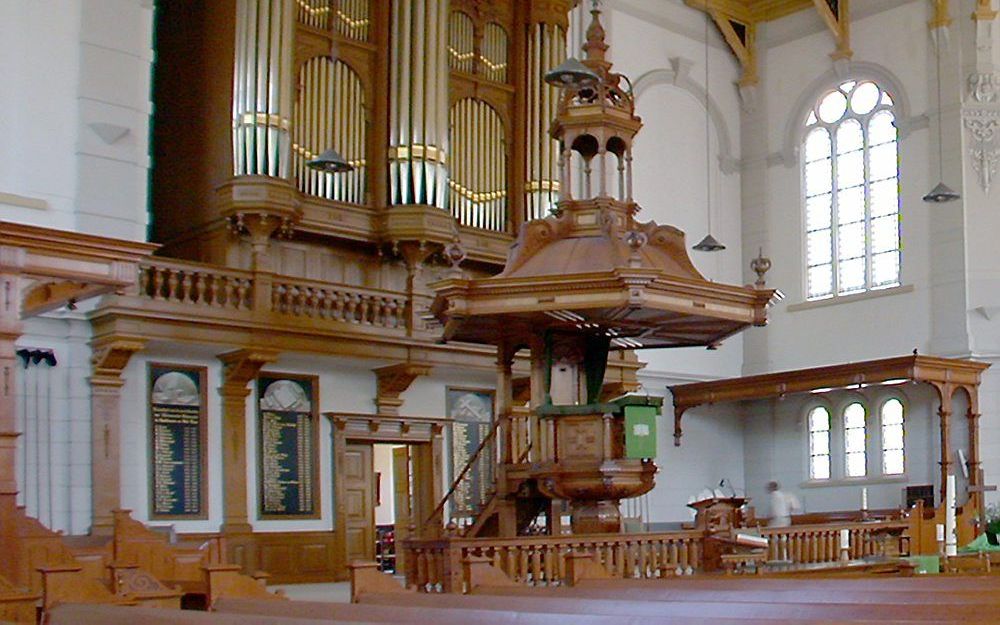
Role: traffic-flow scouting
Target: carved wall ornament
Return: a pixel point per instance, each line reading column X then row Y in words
column 984, row 88
column 985, row 148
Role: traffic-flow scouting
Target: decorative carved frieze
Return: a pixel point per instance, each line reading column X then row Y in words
column 984, row 148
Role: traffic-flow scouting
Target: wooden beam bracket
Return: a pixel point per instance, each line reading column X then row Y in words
column 392, row 381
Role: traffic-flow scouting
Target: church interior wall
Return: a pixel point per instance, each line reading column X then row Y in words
column 776, row 447
column 877, row 326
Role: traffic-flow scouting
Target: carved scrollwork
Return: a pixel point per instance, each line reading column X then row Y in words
column 985, row 149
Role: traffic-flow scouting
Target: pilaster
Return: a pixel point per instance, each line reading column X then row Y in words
column 109, row 359
column 239, row 368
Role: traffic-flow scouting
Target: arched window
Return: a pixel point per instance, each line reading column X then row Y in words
column 855, row 458
column 819, row 443
column 851, row 181
column 893, row 456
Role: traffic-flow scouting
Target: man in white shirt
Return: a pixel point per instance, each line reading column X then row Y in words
column 782, row 506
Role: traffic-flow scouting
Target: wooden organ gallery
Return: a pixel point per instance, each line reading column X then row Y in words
column 392, row 318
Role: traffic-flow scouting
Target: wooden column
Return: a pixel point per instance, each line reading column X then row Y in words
column 944, row 412
column 976, row 483
column 505, row 401
column 240, row 367
column 109, row 359
column 10, row 330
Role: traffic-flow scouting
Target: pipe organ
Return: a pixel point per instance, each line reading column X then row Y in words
column 435, row 103
column 546, row 49
column 478, row 183
column 330, row 112
column 262, row 87
column 418, row 103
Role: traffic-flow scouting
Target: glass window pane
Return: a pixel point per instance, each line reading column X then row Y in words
column 881, row 128
column 832, row 107
column 854, row 440
column 851, row 243
column 885, row 234
column 856, row 465
column 847, row 86
column 820, row 281
column 820, row 248
column 851, row 205
column 892, row 461
column 885, row 197
column 892, row 437
column 854, row 416
column 852, row 275
column 892, row 412
column 819, row 443
column 820, row 469
column 865, row 98
column 817, row 145
column 819, row 176
column 883, row 162
column 849, row 137
column 850, row 169
column 886, row 99
column 885, row 269
column 819, row 419
column 818, row 212
column 811, row 119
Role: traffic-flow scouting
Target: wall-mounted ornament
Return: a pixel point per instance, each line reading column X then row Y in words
column 984, row 88
column 985, row 148
column 760, row 266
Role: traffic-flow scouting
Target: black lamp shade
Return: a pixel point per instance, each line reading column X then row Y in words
column 330, row 162
column 709, row 244
column 572, row 74
column 941, row 193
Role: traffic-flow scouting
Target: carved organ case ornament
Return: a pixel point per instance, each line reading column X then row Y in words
column 585, row 281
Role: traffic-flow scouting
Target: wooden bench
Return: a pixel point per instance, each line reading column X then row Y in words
column 82, row 614
column 444, row 614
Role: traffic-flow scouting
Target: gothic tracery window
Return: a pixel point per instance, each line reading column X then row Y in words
column 851, row 183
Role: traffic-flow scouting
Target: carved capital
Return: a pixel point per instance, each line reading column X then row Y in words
column 241, row 366
column 392, row 381
column 984, row 126
column 984, row 87
column 109, row 359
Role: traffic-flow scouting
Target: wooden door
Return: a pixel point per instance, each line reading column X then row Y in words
column 359, row 502
column 402, row 499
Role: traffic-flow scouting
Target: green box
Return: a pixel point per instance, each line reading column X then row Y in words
column 640, row 431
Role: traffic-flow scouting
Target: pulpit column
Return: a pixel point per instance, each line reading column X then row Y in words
column 109, row 360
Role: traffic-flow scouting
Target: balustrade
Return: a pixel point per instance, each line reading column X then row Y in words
column 375, row 308
column 810, row 544
column 192, row 283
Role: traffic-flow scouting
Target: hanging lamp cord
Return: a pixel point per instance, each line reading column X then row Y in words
column 708, row 157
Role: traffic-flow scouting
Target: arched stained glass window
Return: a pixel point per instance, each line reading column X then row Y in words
column 851, row 182
column 893, row 456
column 855, row 458
column 819, row 443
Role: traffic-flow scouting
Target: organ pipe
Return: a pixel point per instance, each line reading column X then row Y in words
column 461, row 42
column 418, row 96
column 262, row 87
column 478, row 183
column 349, row 18
column 494, row 55
column 330, row 113
column 546, row 49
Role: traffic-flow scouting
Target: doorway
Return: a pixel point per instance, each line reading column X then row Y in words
column 387, row 493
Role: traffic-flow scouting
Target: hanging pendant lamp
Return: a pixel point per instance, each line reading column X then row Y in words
column 330, row 162
column 572, row 74
column 941, row 192
column 709, row 243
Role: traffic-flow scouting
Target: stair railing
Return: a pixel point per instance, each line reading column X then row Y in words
column 484, row 444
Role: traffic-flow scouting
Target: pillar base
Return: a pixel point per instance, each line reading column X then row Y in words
column 596, row 517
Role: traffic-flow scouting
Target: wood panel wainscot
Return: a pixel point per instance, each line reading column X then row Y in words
column 286, row 557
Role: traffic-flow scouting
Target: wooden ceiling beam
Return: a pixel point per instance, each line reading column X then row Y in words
column 836, row 14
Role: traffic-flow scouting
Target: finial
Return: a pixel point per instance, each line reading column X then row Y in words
column 760, row 266
column 595, row 47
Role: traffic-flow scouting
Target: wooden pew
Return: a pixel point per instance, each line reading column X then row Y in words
column 17, row 605
column 82, row 614
column 446, row 615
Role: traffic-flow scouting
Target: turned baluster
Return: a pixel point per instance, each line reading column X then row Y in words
column 213, row 291
column 277, row 297
column 157, row 282
column 172, row 283
column 352, row 304
column 242, row 288
column 144, row 280
column 199, row 287
column 227, row 290
column 185, row 287
column 365, row 308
